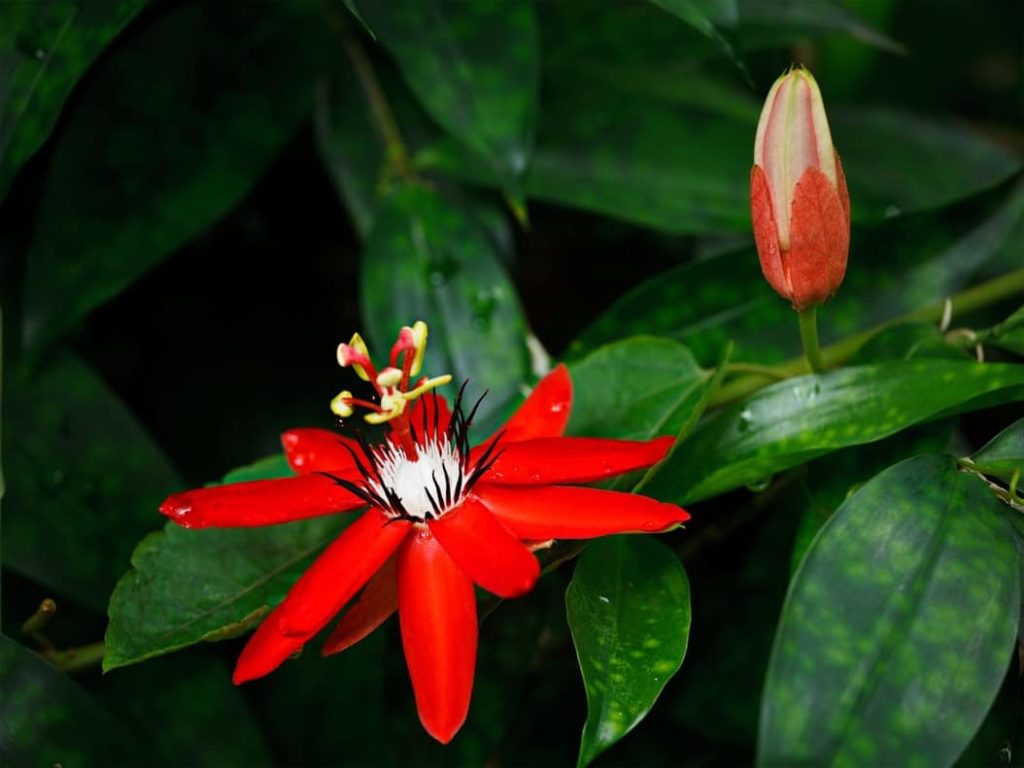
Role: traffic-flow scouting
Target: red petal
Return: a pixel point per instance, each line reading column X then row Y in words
column 429, row 415
column 318, row 450
column 545, row 412
column 550, row 460
column 485, row 550
column 320, row 593
column 437, row 612
column 261, row 502
column 560, row 512
column 819, row 240
column 377, row 602
column 766, row 233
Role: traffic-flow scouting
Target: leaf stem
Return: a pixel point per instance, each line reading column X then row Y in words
column 998, row 289
column 809, row 338
column 754, row 368
column 75, row 659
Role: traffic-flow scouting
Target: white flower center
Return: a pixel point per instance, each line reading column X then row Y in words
column 429, row 486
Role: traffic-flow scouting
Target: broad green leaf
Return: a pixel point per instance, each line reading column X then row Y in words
column 47, row 719
column 1003, row 455
column 173, row 705
column 706, row 16
column 45, row 47
column 635, row 389
column 894, row 269
column 629, row 611
column 186, row 586
column 898, row 626
column 791, row 422
column 170, row 132
column 429, row 259
column 1008, row 335
column 767, row 22
column 474, row 67
column 84, row 480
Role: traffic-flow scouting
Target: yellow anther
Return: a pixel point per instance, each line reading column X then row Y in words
column 419, row 335
column 390, row 406
column 352, row 354
column 426, row 386
column 389, row 377
column 341, row 406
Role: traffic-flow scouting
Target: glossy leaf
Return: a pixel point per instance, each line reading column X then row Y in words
column 770, row 21
column 1003, row 455
column 706, row 16
column 635, row 389
column 899, row 268
column 188, row 586
column 84, row 480
column 230, row 95
column 873, row 663
column 429, row 258
column 474, row 67
column 47, row 719
column 629, row 611
column 44, row 49
column 794, row 421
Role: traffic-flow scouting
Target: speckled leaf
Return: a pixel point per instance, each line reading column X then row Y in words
column 611, row 400
column 187, row 115
column 474, row 67
column 186, row 586
column 47, row 719
column 794, row 421
column 898, row 626
column 900, row 267
column 45, row 47
column 1003, row 455
column 84, row 480
column 429, row 259
column 629, row 611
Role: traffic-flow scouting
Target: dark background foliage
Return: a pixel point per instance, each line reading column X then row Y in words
column 188, row 230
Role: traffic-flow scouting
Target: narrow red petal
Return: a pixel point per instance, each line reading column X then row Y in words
column 548, row 460
column 766, row 233
column 545, row 412
column 320, row 593
column 429, row 414
column 819, row 240
column 437, row 613
column 261, row 502
column 561, row 512
column 318, row 450
column 377, row 602
column 487, row 553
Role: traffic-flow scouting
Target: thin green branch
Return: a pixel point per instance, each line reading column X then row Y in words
column 809, row 338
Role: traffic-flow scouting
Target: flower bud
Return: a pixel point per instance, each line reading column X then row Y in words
column 798, row 199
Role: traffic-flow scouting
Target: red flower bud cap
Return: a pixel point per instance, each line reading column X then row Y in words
column 798, row 199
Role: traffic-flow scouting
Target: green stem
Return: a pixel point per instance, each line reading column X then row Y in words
column 809, row 338
column 1003, row 287
column 74, row 659
column 754, row 368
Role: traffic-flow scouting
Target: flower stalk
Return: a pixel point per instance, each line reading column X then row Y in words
column 809, row 338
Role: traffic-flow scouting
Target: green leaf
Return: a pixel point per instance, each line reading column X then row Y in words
column 49, row 720
column 635, row 389
column 44, row 49
column 1008, row 334
column 84, row 478
column 1003, row 455
column 791, row 422
column 769, row 22
column 429, row 259
column 899, row 268
column 889, row 161
column 629, row 611
column 706, row 16
column 898, row 626
column 187, row 586
column 474, row 67
column 233, row 84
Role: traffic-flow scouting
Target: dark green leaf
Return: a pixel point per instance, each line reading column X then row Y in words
column 706, row 16
column 44, row 49
column 1008, row 334
column 776, row 21
column 186, row 586
column 46, row 719
column 793, row 421
column 629, row 611
column 188, row 115
column 895, row 269
column 474, row 67
column 1003, row 455
column 876, row 661
column 635, row 389
column 84, row 480
column 429, row 259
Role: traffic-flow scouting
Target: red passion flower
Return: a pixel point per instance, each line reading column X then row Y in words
column 440, row 516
